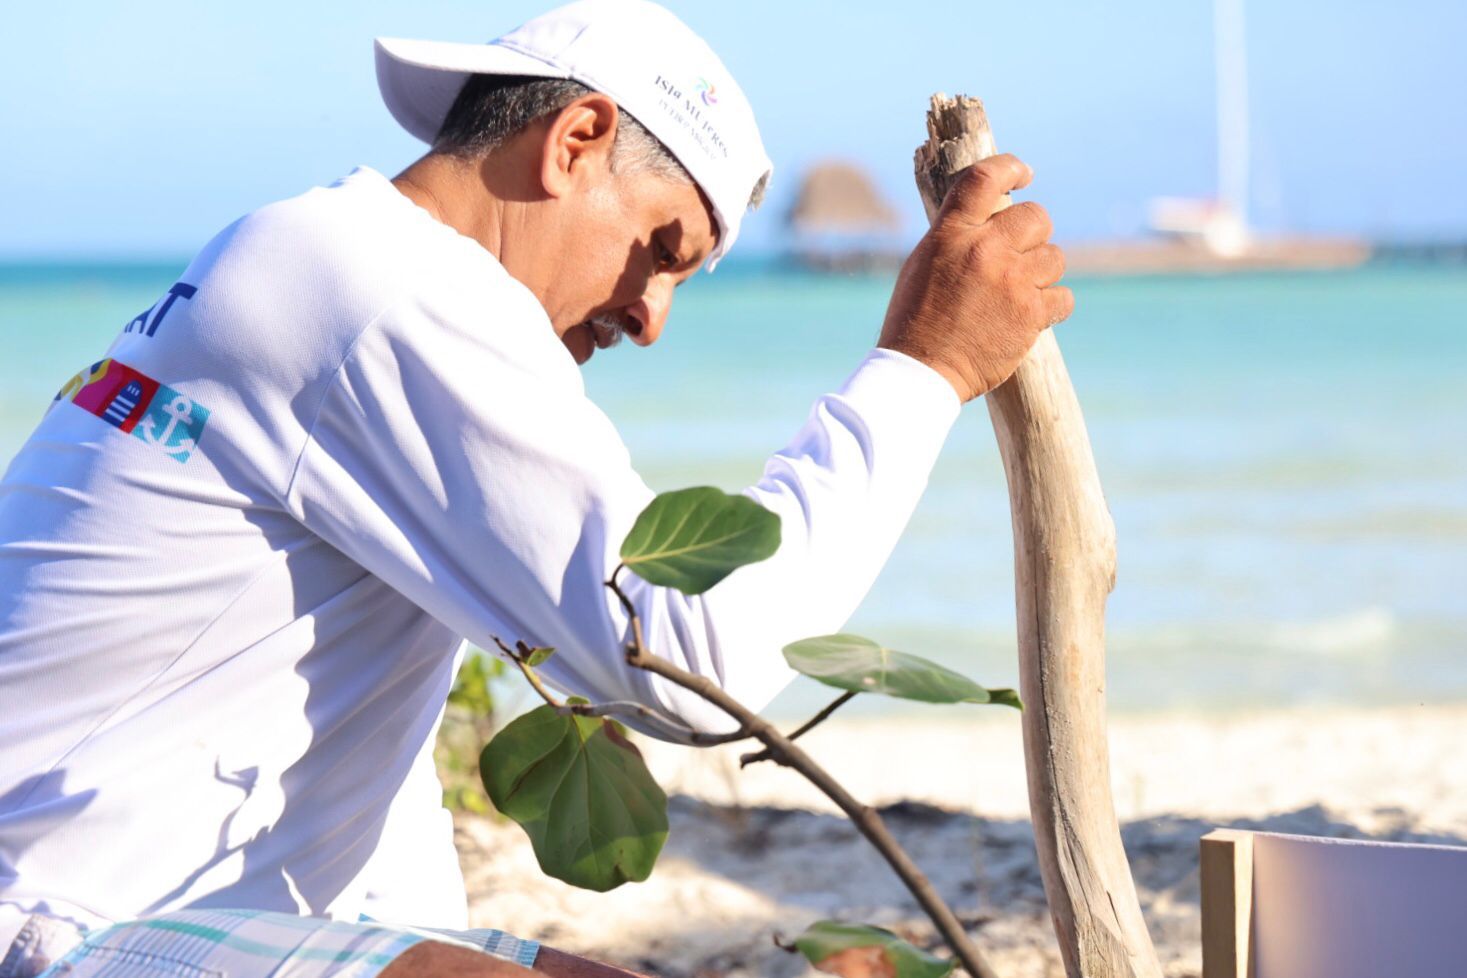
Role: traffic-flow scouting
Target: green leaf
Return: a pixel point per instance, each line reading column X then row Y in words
column 582, row 794
column 859, row 664
column 834, row 947
column 693, row 538
column 537, row 655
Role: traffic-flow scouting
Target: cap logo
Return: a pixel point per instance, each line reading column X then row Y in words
column 684, row 110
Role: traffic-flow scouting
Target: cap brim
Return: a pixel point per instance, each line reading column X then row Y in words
column 419, row 80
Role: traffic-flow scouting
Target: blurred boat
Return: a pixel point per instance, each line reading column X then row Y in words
column 1213, row 234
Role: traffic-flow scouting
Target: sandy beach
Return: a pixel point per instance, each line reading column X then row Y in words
column 757, row 852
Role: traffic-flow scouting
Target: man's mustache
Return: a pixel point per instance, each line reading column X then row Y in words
column 608, row 329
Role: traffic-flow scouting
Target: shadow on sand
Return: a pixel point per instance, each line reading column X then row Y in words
column 808, row 865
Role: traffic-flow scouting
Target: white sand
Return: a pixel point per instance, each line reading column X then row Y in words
column 759, row 851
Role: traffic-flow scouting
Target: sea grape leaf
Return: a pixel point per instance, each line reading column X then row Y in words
column 863, row 666
column 691, row 539
column 537, row 655
column 863, row 951
column 583, row 795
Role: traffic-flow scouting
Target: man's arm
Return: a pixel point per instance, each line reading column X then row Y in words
column 558, row 964
column 432, row 959
column 458, row 459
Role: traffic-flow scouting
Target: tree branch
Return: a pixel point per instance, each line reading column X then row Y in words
column 784, row 752
column 696, row 738
column 626, row 708
column 628, row 607
column 809, row 725
column 529, row 673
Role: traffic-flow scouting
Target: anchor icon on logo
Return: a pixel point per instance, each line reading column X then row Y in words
column 180, row 412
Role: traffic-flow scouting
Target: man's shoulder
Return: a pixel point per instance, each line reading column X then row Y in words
column 280, row 300
column 353, row 249
column 348, row 243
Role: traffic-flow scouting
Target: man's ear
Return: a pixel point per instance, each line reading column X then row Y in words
column 578, row 142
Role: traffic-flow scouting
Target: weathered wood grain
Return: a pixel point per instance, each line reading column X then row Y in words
column 1064, row 569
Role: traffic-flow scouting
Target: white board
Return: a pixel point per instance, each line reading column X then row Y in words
column 1326, row 908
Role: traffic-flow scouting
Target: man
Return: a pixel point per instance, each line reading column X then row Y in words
column 240, row 553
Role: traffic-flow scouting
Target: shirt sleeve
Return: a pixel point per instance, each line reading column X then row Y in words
column 462, row 463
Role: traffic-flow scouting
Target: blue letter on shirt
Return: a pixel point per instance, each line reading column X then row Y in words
column 180, row 290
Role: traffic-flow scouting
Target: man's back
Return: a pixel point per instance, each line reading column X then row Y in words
column 194, row 685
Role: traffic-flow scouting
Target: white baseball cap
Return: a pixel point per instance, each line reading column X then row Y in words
column 635, row 51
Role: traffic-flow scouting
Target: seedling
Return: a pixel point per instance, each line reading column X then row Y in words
column 569, row 775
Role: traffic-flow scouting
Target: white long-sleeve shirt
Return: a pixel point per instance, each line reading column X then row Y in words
column 238, row 555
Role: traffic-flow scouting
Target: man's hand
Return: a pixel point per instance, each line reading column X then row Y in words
column 979, row 287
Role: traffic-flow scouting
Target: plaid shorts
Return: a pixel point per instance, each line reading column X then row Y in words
column 260, row 944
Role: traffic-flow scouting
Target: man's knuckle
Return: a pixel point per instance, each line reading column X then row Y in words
column 1050, row 261
column 1035, row 311
column 982, row 251
column 1034, row 217
column 1013, row 279
column 1061, row 304
column 985, row 175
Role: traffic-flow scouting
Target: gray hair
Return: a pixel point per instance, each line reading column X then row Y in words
column 491, row 109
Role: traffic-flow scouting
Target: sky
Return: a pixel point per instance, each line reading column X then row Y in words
column 137, row 130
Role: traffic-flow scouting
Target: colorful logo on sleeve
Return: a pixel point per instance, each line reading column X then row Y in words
column 140, row 406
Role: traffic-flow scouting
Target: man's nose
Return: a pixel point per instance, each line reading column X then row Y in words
column 650, row 311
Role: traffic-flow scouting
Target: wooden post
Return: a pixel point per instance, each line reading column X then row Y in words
column 1064, row 568
column 1227, row 903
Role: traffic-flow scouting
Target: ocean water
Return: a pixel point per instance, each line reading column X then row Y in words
column 1285, row 456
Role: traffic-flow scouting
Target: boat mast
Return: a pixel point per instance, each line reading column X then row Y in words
column 1231, row 56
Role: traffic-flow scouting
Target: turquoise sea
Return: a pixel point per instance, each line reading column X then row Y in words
column 1285, row 456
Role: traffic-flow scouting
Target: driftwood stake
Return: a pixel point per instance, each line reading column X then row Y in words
column 1064, row 568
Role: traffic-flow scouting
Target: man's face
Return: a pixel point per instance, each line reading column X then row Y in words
column 628, row 239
